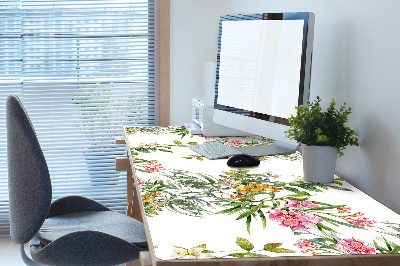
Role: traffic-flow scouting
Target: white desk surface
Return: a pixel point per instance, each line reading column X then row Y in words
column 203, row 209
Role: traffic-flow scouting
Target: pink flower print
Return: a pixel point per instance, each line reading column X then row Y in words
column 300, row 204
column 140, row 182
column 344, row 209
column 234, row 143
column 360, row 220
column 294, row 219
column 154, row 166
column 349, row 245
column 305, row 246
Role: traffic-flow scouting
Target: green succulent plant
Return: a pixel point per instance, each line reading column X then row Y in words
column 312, row 126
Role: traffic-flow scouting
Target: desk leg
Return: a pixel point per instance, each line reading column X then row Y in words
column 144, row 260
column 129, row 192
column 134, row 212
column 133, row 198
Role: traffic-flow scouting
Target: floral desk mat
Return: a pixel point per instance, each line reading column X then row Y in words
column 202, row 209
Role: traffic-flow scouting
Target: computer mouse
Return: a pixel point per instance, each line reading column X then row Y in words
column 242, row 160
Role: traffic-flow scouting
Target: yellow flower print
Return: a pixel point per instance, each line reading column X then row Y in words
column 253, row 187
column 147, row 199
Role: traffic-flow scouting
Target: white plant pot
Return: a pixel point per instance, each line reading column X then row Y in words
column 319, row 163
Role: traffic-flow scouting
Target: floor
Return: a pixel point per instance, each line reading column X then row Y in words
column 9, row 253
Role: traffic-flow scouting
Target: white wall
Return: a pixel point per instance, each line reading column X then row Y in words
column 194, row 41
column 356, row 60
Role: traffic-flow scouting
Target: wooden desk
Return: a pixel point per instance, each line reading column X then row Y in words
column 202, row 212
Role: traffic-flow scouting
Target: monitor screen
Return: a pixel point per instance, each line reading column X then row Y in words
column 263, row 71
column 260, row 63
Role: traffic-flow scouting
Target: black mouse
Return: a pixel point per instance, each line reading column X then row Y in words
column 242, row 160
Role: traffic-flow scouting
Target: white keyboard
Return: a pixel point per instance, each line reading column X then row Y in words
column 214, row 150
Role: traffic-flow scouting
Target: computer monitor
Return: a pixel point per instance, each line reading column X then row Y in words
column 263, row 73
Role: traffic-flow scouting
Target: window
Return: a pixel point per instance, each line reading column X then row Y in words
column 83, row 69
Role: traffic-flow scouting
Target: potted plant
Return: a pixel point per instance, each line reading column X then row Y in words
column 323, row 135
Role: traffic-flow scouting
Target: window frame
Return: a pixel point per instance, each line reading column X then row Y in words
column 163, row 36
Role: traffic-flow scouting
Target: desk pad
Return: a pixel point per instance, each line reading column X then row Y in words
column 202, row 209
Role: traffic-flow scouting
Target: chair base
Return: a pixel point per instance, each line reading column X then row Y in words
column 26, row 259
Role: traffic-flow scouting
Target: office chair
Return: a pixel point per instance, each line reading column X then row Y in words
column 70, row 231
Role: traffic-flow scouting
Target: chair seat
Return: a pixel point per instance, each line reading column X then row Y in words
column 108, row 222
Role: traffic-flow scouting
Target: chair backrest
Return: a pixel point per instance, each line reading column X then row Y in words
column 29, row 183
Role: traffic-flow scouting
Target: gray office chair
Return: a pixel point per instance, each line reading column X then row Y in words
column 70, row 231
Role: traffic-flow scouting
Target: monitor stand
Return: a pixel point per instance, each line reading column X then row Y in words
column 276, row 148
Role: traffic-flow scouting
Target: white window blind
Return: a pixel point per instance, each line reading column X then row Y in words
column 82, row 69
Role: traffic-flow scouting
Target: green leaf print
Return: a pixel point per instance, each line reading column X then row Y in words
column 244, row 243
column 275, row 247
column 250, row 211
